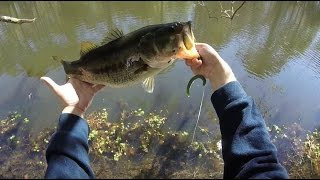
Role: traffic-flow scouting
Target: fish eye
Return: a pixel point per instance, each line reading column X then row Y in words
column 174, row 51
column 171, row 29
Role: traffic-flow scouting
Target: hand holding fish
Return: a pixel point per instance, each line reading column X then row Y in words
column 76, row 96
column 211, row 66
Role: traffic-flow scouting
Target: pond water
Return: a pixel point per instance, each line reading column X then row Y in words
column 272, row 47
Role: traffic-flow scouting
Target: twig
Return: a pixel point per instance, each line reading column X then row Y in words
column 226, row 15
column 16, row 20
column 201, row 3
column 237, row 9
column 224, row 12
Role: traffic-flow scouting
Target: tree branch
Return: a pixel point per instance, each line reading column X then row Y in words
column 16, row 20
column 201, row 3
column 237, row 9
column 225, row 13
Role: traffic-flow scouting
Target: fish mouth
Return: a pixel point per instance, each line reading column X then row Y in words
column 187, row 36
column 187, row 47
column 187, row 41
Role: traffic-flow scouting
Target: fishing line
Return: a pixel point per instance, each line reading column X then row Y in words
column 188, row 94
column 194, row 131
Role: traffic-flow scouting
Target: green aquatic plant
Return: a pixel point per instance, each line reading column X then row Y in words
column 135, row 134
column 112, row 138
column 298, row 150
column 312, row 151
column 26, row 120
column 138, row 112
column 139, row 145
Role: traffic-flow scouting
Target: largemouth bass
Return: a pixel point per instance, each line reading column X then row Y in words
column 135, row 57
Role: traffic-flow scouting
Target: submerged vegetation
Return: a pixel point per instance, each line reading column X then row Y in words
column 138, row 145
column 299, row 150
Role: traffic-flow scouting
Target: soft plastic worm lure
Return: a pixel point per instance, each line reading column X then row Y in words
column 192, row 80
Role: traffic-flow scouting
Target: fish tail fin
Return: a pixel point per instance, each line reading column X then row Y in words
column 66, row 66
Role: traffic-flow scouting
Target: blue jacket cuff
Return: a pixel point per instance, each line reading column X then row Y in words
column 73, row 124
column 227, row 94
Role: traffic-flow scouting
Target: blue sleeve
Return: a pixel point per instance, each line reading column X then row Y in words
column 246, row 146
column 67, row 152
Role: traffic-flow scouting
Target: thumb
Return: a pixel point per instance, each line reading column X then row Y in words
column 51, row 84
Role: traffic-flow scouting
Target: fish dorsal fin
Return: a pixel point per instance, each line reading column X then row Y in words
column 148, row 84
column 112, row 35
column 86, row 46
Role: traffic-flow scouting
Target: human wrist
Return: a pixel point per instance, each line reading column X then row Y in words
column 219, row 82
column 221, row 74
column 74, row 110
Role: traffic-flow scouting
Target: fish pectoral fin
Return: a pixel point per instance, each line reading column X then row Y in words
column 113, row 35
column 148, row 84
column 86, row 46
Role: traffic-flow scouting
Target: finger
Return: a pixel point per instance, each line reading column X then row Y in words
column 196, row 63
column 51, row 84
column 188, row 62
column 200, row 45
column 193, row 69
column 196, row 66
column 193, row 62
column 97, row 87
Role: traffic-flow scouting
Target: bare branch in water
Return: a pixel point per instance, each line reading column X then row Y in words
column 201, row 3
column 237, row 9
column 226, row 13
column 16, row 20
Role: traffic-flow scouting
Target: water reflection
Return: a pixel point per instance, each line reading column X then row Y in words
column 266, row 45
column 284, row 38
